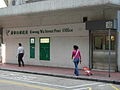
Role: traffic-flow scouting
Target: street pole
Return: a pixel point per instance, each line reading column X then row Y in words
column 109, row 35
column 109, row 25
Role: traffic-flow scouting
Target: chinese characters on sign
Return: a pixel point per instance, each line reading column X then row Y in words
column 41, row 31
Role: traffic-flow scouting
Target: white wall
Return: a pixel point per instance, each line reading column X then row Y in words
column 61, row 46
column 50, row 5
column 60, row 51
column 68, row 16
column 11, row 48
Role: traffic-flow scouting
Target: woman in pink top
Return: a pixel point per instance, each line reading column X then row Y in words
column 76, row 56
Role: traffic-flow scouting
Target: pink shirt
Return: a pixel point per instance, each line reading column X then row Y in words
column 78, row 56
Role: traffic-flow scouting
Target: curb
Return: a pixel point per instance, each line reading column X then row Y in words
column 63, row 76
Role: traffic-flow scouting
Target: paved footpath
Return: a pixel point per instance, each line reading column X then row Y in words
column 64, row 72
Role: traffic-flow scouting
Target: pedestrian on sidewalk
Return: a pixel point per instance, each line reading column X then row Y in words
column 20, row 53
column 76, row 56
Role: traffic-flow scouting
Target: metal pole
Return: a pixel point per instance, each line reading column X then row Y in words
column 109, row 35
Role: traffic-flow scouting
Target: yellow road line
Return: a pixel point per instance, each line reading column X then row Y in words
column 89, row 88
column 27, row 85
column 114, row 87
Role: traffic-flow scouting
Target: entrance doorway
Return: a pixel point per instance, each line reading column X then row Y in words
column 100, row 50
column 44, row 48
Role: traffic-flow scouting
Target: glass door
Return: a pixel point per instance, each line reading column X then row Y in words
column 100, row 50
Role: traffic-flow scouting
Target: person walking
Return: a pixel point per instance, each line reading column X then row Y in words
column 20, row 53
column 76, row 56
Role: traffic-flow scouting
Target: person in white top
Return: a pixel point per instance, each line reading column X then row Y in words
column 20, row 53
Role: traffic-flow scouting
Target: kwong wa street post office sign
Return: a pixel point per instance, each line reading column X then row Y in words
column 41, row 31
column 55, row 30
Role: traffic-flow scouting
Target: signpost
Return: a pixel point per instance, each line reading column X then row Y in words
column 109, row 25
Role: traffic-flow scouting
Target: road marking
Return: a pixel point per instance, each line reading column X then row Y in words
column 18, row 76
column 102, row 85
column 61, row 86
column 84, row 85
column 12, row 76
column 110, row 85
column 81, row 89
column 114, row 87
column 35, row 82
column 27, row 85
column 88, row 88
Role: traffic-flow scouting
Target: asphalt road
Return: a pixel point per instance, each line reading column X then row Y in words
column 23, row 81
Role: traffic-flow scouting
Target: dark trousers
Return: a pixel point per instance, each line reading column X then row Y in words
column 20, row 59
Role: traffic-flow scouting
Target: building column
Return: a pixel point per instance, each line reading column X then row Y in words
column 118, row 50
column 118, row 40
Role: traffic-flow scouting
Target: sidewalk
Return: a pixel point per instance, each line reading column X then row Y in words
column 64, row 72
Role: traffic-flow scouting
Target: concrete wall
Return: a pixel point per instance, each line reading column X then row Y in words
column 61, row 45
column 58, row 17
column 50, row 5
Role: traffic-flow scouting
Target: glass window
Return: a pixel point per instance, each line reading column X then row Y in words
column 13, row 2
column 32, row 40
column 44, row 40
column 112, row 43
column 30, row 1
column 98, row 43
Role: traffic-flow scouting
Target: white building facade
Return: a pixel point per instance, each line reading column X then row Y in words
column 49, row 29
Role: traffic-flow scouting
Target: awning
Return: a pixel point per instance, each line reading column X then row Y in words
column 101, row 25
